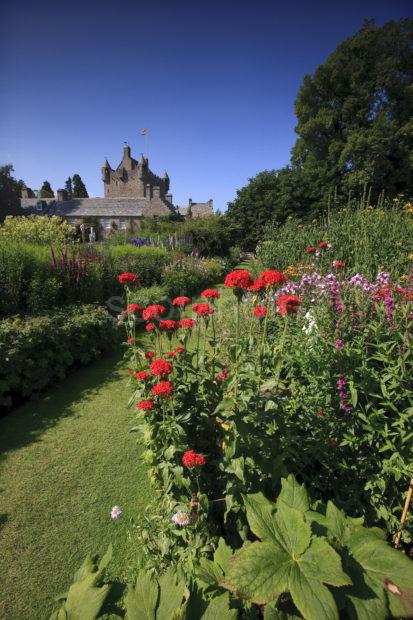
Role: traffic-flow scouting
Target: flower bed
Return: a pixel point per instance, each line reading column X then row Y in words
column 309, row 377
column 37, row 351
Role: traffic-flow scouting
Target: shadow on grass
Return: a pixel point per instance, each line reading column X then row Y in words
column 27, row 423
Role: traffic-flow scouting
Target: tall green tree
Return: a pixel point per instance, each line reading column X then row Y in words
column 10, row 191
column 253, row 207
column 46, row 190
column 69, row 187
column 79, row 188
column 355, row 115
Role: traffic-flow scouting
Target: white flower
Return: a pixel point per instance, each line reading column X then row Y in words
column 181, row 519
column 311, row 324
column 115, row 513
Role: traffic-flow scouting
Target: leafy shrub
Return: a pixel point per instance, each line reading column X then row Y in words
column 146, row 296
column 147, row 262
column 37, row 229
column 188, row 274
column 366, row 239
column 37, row 351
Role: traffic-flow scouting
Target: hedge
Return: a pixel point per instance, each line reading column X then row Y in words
column 35, row 351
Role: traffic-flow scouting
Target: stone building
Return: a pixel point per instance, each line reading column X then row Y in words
column 131, row 192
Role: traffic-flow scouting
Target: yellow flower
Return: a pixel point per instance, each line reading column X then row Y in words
column 410, row 256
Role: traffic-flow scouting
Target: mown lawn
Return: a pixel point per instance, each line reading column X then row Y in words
column 66, row 459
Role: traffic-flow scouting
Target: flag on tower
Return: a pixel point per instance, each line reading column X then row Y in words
column 144, row 132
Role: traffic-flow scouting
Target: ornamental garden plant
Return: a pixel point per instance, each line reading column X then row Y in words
column 281, row 380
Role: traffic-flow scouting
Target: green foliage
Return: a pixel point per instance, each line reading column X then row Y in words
column 367, row 239
column 187, row 274
column 79, row 188
column 41, row 350
column 354, row 114
column 87, row 594
column 46, row 190
column 10, row 190
column 37, row 229
column 252, row 209
column 69, row 187
column 302, row 551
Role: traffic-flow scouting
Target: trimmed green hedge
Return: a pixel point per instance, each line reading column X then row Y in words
column 36, row 351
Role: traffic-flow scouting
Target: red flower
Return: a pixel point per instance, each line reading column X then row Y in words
column 210, row 293
column 256, row 287
column 260, row 311
column 320, row 414
column 179, row 349
column 240, row 278
column 131, row 340
column 168, row 326
column 150, row 327
column 149, row 355
column 128, row 278
column 181, row 301
column 163, row 388
column 130, row 372
column 146, row 405
column 161, row 368
column 153, row 312
column 288, row 304
column 221, row 376
column 142, row 375
column 271, row 277
column 323, row 244
column 338, row 264
column 187, row 323
column 133, row 308
column 171, row 353
column 191, row 459
column 310, row 250
column 202, row 309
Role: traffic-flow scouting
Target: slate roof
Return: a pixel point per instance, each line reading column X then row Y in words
column 90, row 207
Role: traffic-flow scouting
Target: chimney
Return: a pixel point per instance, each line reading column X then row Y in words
column 156, row 191
column 148, row 191
column 61, row 195
column 210, row 203
column 189, row 202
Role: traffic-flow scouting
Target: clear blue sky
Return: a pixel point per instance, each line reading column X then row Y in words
column 214, row 82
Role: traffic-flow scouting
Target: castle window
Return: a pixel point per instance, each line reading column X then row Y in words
column 106, row 222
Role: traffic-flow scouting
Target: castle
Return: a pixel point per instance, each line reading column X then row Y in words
column 131, row 192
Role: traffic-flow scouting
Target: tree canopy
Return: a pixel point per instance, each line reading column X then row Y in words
column 79, row 188
column 10, row 191
column 46, row 190
column 355, row 128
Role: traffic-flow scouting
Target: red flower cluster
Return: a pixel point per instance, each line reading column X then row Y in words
column 181, row 301
column 160, row 367
column 130, row 372
column 133, row 308
column 210, row 293
column 338, row 264
column 322, row 245
column 142, row 375
column 171, row 353
column 179, row 349
column 168, row 326
column 260, row 311
column 149, row 355
column 310, row 250
column 271, row 277
column 191, row 459
column 240, row 278
column 128, row 278
column 202, row 309
column 256, row 287
column 163, row 388
column 288, row 304
column 131, row 340
column 153, row 312
column 150, row 327
column 146, row 405
column 221, row 376
column 187, row 323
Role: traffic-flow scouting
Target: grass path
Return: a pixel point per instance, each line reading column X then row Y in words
column 66, row 459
